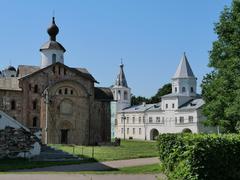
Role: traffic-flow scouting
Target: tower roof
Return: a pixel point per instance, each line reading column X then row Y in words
column 121, row 79
column 184, row 69
column 52, row 43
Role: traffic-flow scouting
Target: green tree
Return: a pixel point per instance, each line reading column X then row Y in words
column 166, row 89
column 221, row 87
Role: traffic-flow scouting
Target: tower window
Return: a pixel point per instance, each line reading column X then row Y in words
column 34, row 123
column 175, row 89
column 125, row 95
column 71, row 92
column 36, row 88
column 119, row 95
column 54, row 58
column 183, row 89
column 192, row 90
column 13, row 105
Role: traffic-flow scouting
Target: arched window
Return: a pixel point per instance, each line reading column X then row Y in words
column 54, row 58
column 71, row 92
column 119, row 95
column 125, row 95
column 35, row 104
column 13, row 105
column 66, row 91
column 183, row 89
column 34, row 122
column 60, row 91
column 175, row 89
column 192, row 90
column 36, row 88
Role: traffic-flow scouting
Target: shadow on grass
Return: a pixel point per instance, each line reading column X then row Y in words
column 24, row 165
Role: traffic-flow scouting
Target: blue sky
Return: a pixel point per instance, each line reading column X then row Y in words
column 150, row 36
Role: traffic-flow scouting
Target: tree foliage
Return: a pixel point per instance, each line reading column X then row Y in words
column 221, row 87
column 165, row 89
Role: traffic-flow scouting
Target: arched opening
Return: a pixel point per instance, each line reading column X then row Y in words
column 183, row 89
column 192, row 90
column 119, row 95
column 154, row 134
column 125, row 95
column 65, row 128
column 13, row 105
column 186, row 130
column 54, row 58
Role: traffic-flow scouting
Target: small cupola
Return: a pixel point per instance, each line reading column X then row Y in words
column 52, row 51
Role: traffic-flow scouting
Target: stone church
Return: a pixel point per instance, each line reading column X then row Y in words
column 62, row 101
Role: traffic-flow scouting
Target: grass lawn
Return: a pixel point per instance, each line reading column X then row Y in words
column 127, row 150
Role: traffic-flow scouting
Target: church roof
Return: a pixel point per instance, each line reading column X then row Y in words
column 121, row 79
column 138, row 108
column 24, row 70
column 80, row 71
column 102, row 93
column 192, row 104
column 184, row 69
column 52, row 45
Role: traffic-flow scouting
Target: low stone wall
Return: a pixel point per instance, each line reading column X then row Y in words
column 18, row 142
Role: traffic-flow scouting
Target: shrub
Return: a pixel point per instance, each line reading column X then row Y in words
column 200, row 157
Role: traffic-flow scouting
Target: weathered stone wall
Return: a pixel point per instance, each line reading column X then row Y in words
column 16, row 142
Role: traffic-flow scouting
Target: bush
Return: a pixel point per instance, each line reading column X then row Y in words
column 200, row 157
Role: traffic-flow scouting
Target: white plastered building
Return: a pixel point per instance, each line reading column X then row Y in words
column 178, row 111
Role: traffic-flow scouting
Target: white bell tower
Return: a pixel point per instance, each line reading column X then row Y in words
column 52, row 51
column 121, row 91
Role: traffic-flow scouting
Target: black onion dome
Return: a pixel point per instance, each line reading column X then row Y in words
column 11, row 68
column 53, row 30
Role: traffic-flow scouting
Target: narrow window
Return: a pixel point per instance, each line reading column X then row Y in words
column 54, row 58
column 175, row 89
column 125, row 95
column 60, row 91
column 166, row 106
column 150, row 119
column 140, row 120
column 36, row 88
column 183, row 89
column 133, row 130
column 127, row 130
column 30, row 87
column 71, row 92
column 34, row 104
column 119, row 95
column 13, row 105
column 122, row 130
column 66, row 91
column 192, row 90
column 59, row 70
column 54, row 69
column 173, row 105
column 133, row 119
column 127, row 120
column 65, row 71
column 140, row 131
column 34, row 123
column 181, row 120
column 190, row 119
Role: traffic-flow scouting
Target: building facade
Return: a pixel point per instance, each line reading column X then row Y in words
column 62, row 101
column 177, row 112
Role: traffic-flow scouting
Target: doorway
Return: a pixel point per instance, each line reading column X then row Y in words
column 64, row 136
